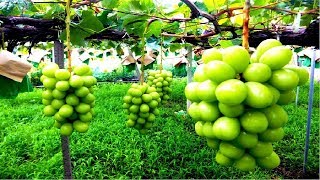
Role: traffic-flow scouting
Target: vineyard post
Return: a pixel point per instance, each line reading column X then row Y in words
column 59, row 59
column 189, row 69
column 65, row 139
column 310, row 103
column 58, row 56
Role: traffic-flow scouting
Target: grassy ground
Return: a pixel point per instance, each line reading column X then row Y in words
column 30, row 146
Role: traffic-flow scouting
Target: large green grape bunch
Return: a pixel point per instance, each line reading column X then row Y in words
column 140, row 104
column 68, row 97
column 237, row 102
column 161, row 80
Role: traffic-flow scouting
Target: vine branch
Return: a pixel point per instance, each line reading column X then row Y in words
column 196, row 12
column 271, row 7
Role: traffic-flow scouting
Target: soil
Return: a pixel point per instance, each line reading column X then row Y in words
column 287, row 173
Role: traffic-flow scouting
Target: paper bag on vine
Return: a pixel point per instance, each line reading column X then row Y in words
column 11, row 66
column 147, row 59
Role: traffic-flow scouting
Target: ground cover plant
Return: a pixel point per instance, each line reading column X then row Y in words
column 30, row 146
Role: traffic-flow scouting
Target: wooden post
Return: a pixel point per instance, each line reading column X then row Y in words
column 58, row 54
column 66, row 157
column 59, row 59
column 189, row 70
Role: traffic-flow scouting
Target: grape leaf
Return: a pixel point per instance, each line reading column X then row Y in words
column 201, row 6
column 213, row 40
column 147, row 6
column 214, row 4
column 87, row 26
column 89, row 21
column 209, row 4
column 306, row 20
column 154, row 29
column 137, row 28
column 288, row 19
column 104, row 18
column 14, row 7
column 110, row 4
column 130, row 19
column 137, row 49
column 175, row 46
column 77, row 36
column 55, row 11
column 236, row 41
column 119, row 50
column 260, row 2
column 225, row 43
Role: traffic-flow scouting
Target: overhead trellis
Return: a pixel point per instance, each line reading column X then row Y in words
column 17, row 30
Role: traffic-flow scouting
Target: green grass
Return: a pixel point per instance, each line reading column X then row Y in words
column 30, row 146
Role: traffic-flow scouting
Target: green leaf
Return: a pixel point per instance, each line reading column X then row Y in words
column 11, row 88
column 213, row 40
column 137, row 49
column 103, row 18
column 214, row 4
column 260, row 2
column 175, row 46
column 77, row 36
column 225, row 43
column 288, row 19
column 183, row 9
column 87, row 26
column 236, row 41
column 14, row 7
column 55, row 11
column 154, row 29
column 136, row 6
column 172, row 27
column 111, row 44
column 209, row 4
column 119, row 50
column 89, row 21
column 147, row 5
column 137, row 28
column 306, row 20
column 167, row 41
column 201, row 6
column 130, row 19
column 110, row 4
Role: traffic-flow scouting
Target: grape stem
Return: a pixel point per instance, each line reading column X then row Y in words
column 245, row 32
column 143, row 43
column 161, row 54
column 68, row 34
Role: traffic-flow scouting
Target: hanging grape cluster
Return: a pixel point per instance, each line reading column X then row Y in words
column 140, row 104
column 161, row 80
column 68, row 97
column 237, row 102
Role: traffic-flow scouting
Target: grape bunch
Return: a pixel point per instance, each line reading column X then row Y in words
column 68, row 97
column 237, row 102
column 140, row 104
column 161, row 80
